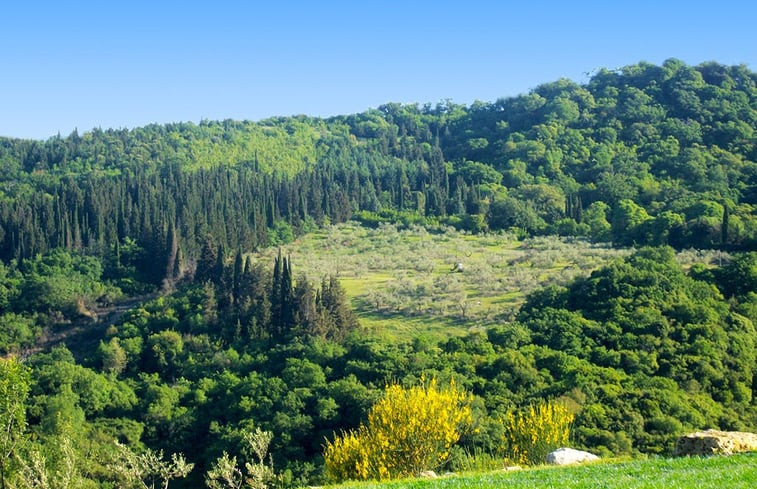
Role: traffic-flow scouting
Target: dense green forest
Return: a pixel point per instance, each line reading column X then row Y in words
column 164, row 218
column 646, row 155
column 640, row 350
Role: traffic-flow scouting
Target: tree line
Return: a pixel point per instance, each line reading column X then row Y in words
column 645, row 155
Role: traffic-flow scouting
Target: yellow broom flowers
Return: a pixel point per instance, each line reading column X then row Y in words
column 531, row 434
column 408, row 430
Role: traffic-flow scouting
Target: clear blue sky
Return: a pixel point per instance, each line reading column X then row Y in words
column 83, row 64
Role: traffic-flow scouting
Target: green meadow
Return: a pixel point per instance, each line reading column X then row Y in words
column 402, row 283
column 733, row 472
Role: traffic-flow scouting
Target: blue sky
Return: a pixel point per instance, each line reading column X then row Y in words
column 82, row 64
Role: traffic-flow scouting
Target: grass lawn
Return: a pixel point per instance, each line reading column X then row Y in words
column 733, row 472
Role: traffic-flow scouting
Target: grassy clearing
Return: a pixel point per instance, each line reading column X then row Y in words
column 734, row 472
column 402, row 284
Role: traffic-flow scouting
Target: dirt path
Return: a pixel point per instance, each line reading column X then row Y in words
column 83, row 335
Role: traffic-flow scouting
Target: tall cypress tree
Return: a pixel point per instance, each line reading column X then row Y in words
column 237, row 275
column 724, row 225
column 206, row 264
column 275, row 295
column 219, row 270
column 287, row 298
column 172, row 241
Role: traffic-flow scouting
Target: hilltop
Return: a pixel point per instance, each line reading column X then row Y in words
column 643, row 155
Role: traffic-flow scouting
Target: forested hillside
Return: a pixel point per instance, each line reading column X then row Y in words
column 643, row 155
column 640, row 352
column 224, row 340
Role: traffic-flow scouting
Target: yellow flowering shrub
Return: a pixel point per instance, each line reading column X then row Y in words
column 408, row 430
column 531, row 434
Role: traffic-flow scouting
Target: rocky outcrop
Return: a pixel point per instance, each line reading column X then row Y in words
column 567, row 456
column 714, row 442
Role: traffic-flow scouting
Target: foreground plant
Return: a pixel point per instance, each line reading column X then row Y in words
column 14, row 389
column 50, row 471
column 408, row 430
column 150, row 469
column 226, row 474
column 531, row 434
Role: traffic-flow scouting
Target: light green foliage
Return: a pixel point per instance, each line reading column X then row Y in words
column 113, row 356
column 627, row 221
column 62, row 281
column 150, row 469
column 55, row 466
column 16, row 331
column 14, row 389
column 166, row 347
column 272, row 145
column 640, row 350
column 224, row 474
column 665, row 138
column 45, row 289
column 481, row 173
column 258, row 472
column 73, row 391
column 596, row 217
column 281, row 233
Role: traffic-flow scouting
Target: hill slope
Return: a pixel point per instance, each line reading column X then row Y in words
column 643, row 155
column 404, row 283
column 640, row 348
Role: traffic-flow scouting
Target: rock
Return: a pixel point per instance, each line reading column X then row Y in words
column 714, row 442
column 513, row 468
column 567, row 456
column 428, row 474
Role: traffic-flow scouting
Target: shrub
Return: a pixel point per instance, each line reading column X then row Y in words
column 531, row 434
column 408, row 430
column 257, row 474
column 349, row 456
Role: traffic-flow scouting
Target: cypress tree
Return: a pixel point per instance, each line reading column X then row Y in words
column 207, row 262
column 176, row 273
column 275, row 295
column 219, row 271
column 724, row 225
column 287, row 298
column 172, row 242
column 237, row 276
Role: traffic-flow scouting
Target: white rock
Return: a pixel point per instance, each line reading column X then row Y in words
column 567, row 456
column 428, row 474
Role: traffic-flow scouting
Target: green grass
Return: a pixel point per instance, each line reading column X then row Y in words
column 401, row 285
column 733, row 472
